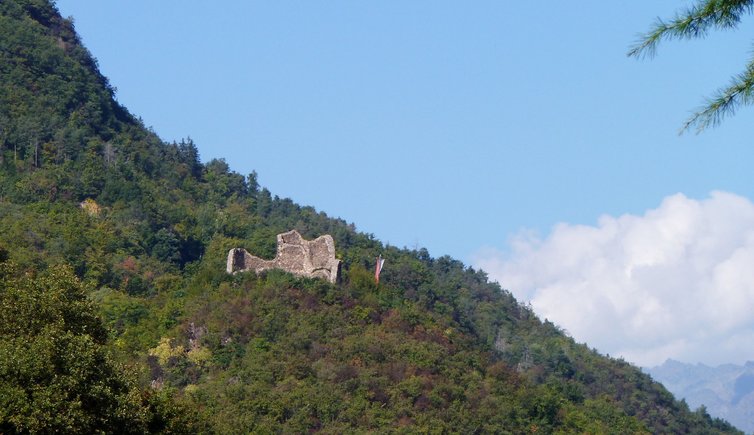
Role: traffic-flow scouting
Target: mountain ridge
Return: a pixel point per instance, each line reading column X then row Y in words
column 726, row 391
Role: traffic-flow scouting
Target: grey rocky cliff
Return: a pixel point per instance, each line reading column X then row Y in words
column 311, row 259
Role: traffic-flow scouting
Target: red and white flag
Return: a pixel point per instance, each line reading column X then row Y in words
column 378, row 269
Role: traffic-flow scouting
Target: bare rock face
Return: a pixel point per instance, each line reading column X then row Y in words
column 311, row 259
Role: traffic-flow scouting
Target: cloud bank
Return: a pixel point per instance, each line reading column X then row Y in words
column 676, row 282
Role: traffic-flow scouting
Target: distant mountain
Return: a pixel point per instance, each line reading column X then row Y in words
column 118, row 314
column 727, row 391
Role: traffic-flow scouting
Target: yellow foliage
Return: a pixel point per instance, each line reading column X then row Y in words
column 164, row 351
column 199, row 355
column 190, row 389
column 91, row 207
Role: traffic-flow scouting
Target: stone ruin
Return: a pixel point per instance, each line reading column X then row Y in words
column 310, row 259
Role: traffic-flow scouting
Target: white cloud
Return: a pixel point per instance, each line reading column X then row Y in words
column 677, row 282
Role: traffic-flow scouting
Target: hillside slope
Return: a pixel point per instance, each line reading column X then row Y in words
column 145, row 226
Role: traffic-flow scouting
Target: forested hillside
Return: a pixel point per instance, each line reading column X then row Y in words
column 117, row 313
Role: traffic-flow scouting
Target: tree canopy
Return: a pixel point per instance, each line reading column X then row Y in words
column 696, row 22
column 55, row 372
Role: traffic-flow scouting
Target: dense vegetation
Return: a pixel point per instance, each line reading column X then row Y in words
column 117, row 311
column 55, row 374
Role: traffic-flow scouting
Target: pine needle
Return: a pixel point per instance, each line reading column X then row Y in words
column 695, row 22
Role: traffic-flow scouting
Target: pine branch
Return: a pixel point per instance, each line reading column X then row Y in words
column 693, row 23
column 725, row 102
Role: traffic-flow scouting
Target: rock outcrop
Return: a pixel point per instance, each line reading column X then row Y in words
column 311, row 259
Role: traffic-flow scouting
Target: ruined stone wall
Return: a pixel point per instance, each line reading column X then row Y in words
column 311, row 259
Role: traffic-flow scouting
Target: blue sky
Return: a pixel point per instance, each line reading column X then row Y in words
column 456, row 126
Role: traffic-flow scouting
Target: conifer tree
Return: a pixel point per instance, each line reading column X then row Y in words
column 696, row 22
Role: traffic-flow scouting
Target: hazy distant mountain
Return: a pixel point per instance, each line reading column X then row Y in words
column 727, row 391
